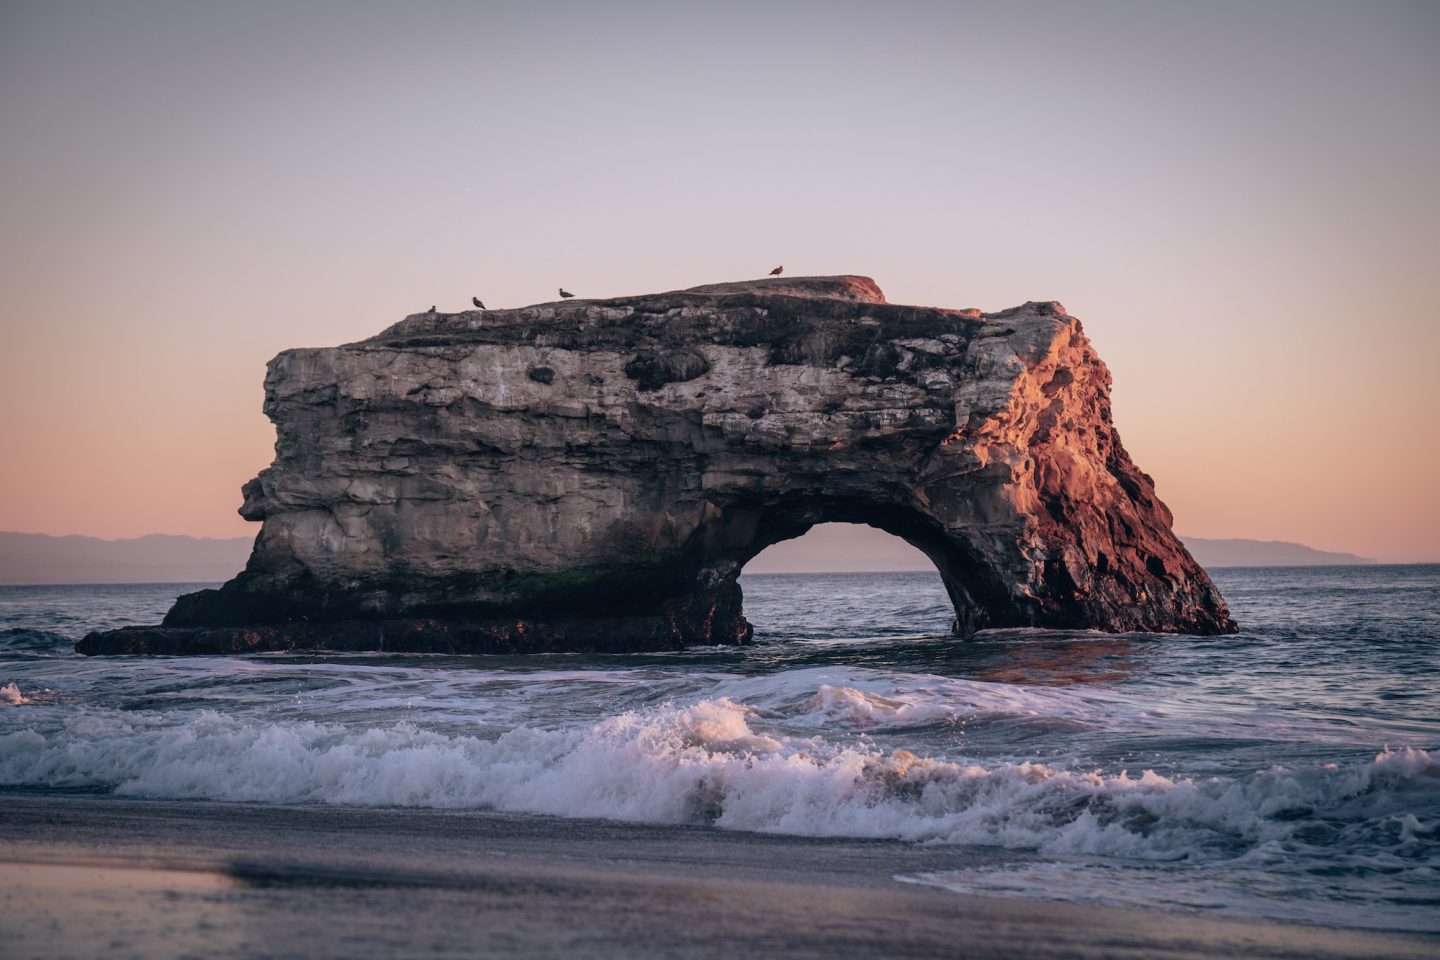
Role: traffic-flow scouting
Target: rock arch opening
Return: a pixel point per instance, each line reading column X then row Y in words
column 745, row 530
column 844, row 581
column 834, row 548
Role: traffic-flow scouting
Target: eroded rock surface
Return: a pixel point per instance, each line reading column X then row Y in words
column 594, row 474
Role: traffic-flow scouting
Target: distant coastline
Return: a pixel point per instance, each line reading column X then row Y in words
column 1237, row 552
column 34, row 559
column 845, row 548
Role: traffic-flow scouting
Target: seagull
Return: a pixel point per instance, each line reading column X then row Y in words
column 564, row 295
column 476, row 301
column 776, row 271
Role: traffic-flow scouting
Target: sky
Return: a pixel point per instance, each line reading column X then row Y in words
column 1238, row 200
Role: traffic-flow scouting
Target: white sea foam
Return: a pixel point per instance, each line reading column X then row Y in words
column 706, row 763
column 822, row 696
column 831, row 698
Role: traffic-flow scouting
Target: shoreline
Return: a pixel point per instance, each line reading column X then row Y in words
column 161, row 878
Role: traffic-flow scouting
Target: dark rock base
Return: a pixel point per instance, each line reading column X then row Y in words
column 603, row 635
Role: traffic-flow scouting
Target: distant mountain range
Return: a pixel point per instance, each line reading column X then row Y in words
column 847, row 548
column 34, row 558
column 1265, row 553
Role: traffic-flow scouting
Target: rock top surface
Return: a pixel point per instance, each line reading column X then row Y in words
column 595, row 474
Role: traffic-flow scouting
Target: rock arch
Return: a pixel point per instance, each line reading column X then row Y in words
column 747, row 529
column 596, row 474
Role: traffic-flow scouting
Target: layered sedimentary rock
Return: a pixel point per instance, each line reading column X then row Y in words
column 595, row 474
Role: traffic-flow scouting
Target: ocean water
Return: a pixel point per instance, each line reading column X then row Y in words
column 1290, row 771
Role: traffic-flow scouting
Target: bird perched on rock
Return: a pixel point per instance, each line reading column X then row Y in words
column 565, row 294
column 776, row 271
column 432, row 309
column 478, row 304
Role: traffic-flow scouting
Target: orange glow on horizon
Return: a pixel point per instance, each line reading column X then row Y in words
column 1245, row 225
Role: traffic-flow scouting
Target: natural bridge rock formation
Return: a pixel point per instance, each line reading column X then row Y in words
column 594, row 474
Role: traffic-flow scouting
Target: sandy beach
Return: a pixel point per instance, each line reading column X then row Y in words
column 86, row 875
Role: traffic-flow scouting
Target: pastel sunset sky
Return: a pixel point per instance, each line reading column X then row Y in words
column 1239, row 200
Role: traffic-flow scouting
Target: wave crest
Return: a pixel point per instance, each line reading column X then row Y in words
column 704, row 763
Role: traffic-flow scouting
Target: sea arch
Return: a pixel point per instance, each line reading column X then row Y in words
column 596, row 473
column 978, row 594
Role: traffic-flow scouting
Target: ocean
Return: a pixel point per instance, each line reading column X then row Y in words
column 1291, row 771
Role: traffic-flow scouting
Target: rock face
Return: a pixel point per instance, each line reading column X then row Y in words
column 595, row 474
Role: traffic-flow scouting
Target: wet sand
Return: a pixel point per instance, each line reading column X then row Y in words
column 84, row 875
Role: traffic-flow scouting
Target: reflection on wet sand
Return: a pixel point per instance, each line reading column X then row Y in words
column 80, row 909
column 119, row 878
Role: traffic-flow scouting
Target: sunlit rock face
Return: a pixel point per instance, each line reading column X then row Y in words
column 594, row 474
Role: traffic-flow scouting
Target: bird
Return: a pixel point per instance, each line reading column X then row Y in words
column 776, row 271
column 564, row 294
column 476, row 301
column 432, row 308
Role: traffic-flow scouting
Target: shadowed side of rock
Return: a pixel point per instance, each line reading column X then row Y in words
column 595, row 474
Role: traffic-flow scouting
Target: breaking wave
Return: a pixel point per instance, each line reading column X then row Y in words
column 10, row 693
column 705, row 763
